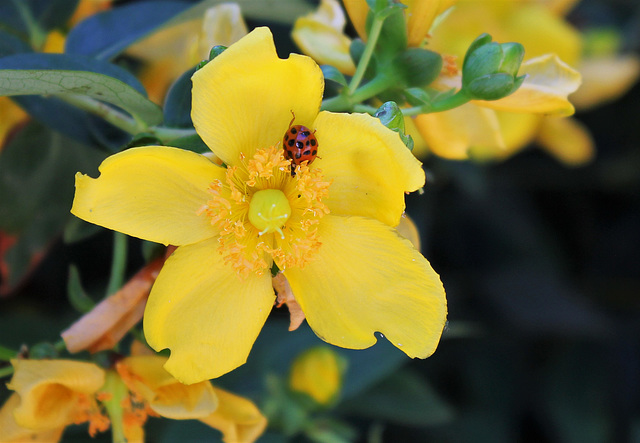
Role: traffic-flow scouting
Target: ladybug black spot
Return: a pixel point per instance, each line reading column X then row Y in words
column 314, row 152
column 313, row 142
column 307, row 143
column 299, row 145
column 298, row 155
column 306, row 133
column 291, row 142
column 294, row 131
column 307, row 152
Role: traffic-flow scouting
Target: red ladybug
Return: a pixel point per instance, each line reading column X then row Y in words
column 300, row 144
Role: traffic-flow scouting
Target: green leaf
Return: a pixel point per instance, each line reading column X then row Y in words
column 405, row 398
column 76, row 294
column 177, row 104
column 332, row 73
column 90, row 84
column 62, row 74
column 37, row 171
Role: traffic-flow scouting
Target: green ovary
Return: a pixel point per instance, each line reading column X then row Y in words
column 269, row 210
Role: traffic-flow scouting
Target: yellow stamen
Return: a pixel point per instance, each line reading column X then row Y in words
column 265, row 214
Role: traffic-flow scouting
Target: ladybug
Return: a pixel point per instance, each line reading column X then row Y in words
column 300, row 144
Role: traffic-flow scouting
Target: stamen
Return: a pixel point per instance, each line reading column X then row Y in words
column 264, row 214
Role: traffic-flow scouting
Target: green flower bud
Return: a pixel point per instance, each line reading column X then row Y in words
column 391, row 116
column 490, row 69
column 418, row 67
column 216, row 51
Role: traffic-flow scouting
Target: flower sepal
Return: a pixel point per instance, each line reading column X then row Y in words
column 490, row 69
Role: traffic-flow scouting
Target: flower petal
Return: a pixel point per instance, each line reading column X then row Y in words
column 544, row 91
column 153, row 193
column 370, row 167
column 566, row 139
column 243, row 99
column 366, row 278
column 11, row 432
column 166, row 395
column 605, row 79
column 10, row 116
column 321, row 36
column 447, row 137
column 207, row 315
column 420, row 16
column 50, row 389
column 237, row 418
column 357, row 11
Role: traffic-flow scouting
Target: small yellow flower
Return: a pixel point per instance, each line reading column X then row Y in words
column 329, row 228
column 318, row 372
column 52, row 394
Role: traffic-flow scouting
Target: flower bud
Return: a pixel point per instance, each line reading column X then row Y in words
column 490, row 69
column 391, row 116
column 318, row 373
column 418, row 67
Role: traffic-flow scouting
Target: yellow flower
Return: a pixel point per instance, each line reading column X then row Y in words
column 329, row 227
column 318, row 372
column 419, row 16
column 52, row 394
column 174, row 49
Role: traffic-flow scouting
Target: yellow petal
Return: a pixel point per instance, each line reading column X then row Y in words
column 10, row 116
column 166, row 395
column 11, row 432
column 321, row 36
column 358, row 10
column 370, row 167
column 50, row 390
column 243, row 99
column 451, row 134
column 542, row 32
column 366, row 278
column 566, row 139
column 544, row 91
column 237, row 418
column 605, row 79
column 318, row 373
column 153, row 193
column 407, row 229
column 201, row 310
column 420, row 15
column 559, row 7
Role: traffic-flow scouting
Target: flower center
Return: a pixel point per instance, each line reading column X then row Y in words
column 269, row 210
column 264, row 214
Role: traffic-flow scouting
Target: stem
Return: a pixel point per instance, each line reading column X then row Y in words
column 118, row 262
column 365, row 108
column 458, row 99
column 115, row 386
column 370, row 89
column 7, row 354
column 5, row 372
column 60, row 346
column 168, row 134
column 37, row 35
column 376, row 27
column 109, row 114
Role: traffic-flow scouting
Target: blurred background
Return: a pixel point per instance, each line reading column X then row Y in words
column 540, row 261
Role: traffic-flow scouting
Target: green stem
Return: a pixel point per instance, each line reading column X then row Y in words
column 7, row 354
column 168, row 134
column 458, row 99
column 115, row 386
column 5, row 372
column 372, row 88
column 118, row 262
column 365, row 108
column 372, row 40
column 37, row 35
column 108, row 113
column 60, row 346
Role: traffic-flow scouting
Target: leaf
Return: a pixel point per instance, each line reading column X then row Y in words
column 107, row 34
column 36, row 190
column 76, row 294
column 404, row 397
column 177, row 106
column 332, row 73
column 61, row 74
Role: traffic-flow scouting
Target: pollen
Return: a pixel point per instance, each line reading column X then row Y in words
column 264, row 214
